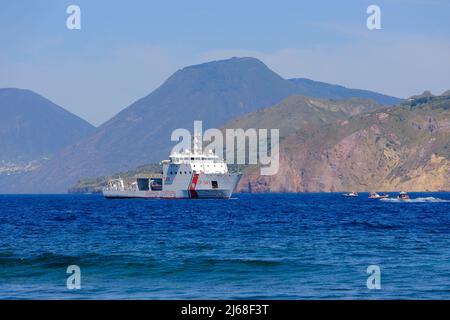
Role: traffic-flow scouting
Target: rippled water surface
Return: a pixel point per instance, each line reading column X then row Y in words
column 260, row 246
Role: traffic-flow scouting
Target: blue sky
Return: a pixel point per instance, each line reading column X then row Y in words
column 125, row 49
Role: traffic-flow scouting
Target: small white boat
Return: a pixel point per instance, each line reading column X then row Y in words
column 351, row 194
column 403, row 196
column 374, row 195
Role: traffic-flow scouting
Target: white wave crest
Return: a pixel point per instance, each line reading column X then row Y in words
column 416, row 200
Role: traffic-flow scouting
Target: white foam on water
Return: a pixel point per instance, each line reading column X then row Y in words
column 416, row 200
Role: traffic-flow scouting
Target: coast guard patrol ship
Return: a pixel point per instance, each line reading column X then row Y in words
column 185, row 175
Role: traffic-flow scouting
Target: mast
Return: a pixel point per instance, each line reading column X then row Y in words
column 198, row 144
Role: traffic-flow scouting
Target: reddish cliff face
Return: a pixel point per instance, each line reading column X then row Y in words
column 405, row 147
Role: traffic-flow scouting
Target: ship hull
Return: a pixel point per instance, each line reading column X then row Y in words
column 204, row 194
column 194, row 191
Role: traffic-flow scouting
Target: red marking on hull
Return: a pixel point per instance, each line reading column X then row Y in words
column 192, row 192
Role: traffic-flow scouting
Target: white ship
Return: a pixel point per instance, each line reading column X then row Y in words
column 185, row 175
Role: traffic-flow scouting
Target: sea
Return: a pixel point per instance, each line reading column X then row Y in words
column 253, row 246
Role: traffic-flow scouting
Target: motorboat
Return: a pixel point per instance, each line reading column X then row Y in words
column 403, row 196
column 374, row 195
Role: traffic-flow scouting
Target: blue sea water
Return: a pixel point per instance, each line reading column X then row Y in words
column 254, row 246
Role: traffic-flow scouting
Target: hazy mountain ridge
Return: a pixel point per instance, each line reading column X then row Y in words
column 33, row 129
column 324, row 90
column 404, row 147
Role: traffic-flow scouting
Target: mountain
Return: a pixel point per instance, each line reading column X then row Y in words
column 324, row 90
column 401, row 148
column 425, row 94
column 214, row 92
column 33, row 129
column 446, row 93
column 296, row 112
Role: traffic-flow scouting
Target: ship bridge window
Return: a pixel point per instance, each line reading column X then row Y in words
column 156, row 184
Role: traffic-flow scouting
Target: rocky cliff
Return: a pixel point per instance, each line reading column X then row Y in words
column 401, row 148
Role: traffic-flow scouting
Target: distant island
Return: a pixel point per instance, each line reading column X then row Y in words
column 333, row 138
column 341, row 145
